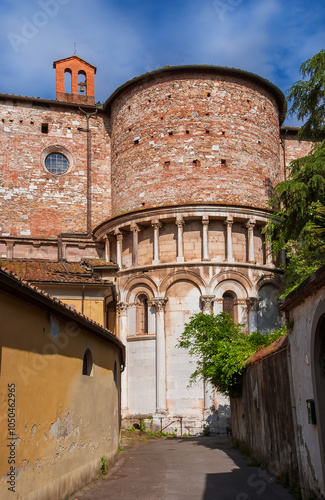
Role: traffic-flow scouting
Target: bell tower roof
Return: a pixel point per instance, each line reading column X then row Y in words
column 75, row 80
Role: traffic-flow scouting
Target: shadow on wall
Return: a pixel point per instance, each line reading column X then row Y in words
column 268, row 315
column 219, row 422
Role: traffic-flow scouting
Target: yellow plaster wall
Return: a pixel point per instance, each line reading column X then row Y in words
column 65, row 421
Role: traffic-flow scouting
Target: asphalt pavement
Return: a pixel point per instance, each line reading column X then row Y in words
column 202, row 468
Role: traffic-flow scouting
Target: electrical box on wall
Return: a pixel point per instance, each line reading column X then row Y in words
column 311, row 411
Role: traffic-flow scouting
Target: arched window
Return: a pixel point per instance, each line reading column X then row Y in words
column 229, row 304
column 67, row 81
column 82, row 83
column 142, row 314
column 87, row 365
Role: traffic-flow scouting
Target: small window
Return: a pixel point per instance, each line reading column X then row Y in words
column 87, row 365
column 56, row 163
column 45, row 128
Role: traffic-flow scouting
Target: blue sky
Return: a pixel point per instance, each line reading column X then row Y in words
column 126, row 38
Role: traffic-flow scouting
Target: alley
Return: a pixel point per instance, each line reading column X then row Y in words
column 203, row 468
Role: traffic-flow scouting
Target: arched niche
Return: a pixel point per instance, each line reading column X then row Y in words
column 268, row 315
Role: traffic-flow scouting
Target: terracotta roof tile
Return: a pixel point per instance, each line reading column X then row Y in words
column 45, row 271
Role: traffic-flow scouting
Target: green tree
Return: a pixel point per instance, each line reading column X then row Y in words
column 308, row 98
column 297, row 222
column 220, row 348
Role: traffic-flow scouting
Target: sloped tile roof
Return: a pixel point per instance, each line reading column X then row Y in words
column 45, row 271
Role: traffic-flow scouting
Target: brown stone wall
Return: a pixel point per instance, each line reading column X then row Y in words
column 171, row 137
column 33, row 201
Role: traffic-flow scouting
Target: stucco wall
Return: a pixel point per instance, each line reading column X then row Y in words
column 65, row 421
column 304, row 319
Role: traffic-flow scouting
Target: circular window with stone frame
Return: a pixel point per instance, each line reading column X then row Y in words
column 56, row 160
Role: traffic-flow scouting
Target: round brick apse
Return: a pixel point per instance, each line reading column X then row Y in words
column 195, row 135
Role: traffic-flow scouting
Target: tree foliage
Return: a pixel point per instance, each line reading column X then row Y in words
column 308, row 98
column 220, row 348
column 296, row 225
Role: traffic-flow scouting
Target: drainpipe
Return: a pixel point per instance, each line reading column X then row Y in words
column 88, row 115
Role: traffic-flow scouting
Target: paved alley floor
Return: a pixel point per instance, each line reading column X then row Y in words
column 203, row 468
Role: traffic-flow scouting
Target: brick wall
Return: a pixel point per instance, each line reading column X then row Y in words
column 33, row 201
column 170, row 137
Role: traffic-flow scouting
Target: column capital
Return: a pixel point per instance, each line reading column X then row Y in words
column 205, row 220
column 121, row 308
column 207, row 302
column 229, row 221
column 159, row 303
column 134, row 228
column 250, row 224
column 156, row 224
column 252, row 303
column 180, row 222
column 118, row 234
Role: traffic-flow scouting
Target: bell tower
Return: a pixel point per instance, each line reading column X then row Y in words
column 75, row 80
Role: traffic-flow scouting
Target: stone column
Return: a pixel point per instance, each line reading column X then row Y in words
column 207, row 304
column 135, row 230
column 122, row 312
column 107, row 248
column 205, row 237
column 156, row 226
column 252, row 306
column 229, row 223
column 180, row 243
column 268, row 249
column 250, row 227
column 119, row 243
column 161, row 404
